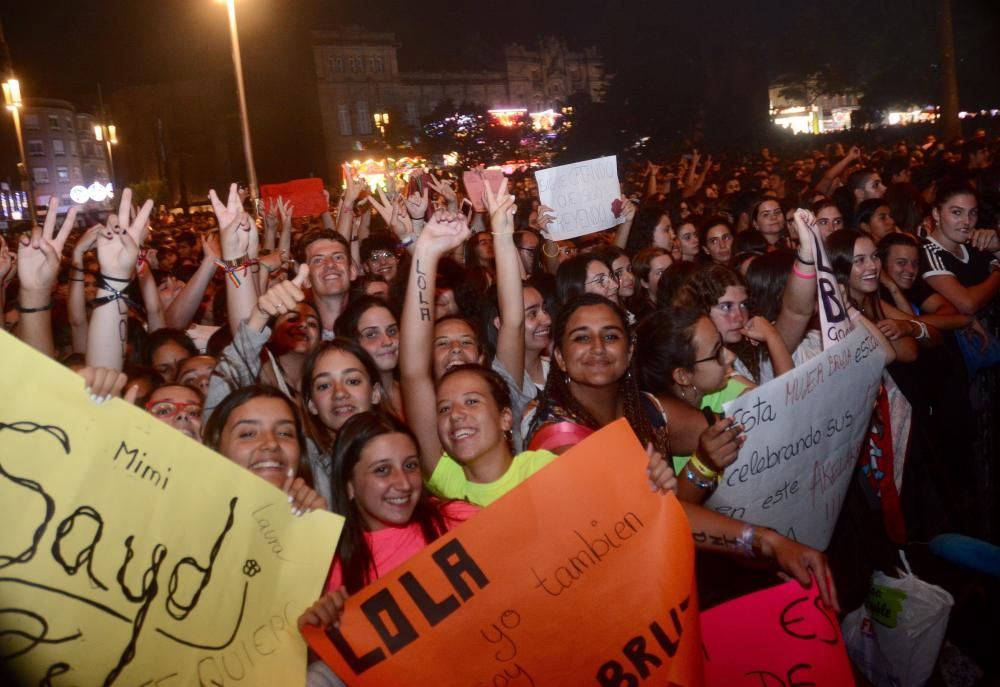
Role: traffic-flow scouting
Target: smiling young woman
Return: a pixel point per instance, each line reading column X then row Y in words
column 259, row 429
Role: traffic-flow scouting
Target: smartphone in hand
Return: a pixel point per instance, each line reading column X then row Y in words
column 468, row 209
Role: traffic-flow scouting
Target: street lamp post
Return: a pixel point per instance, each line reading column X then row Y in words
column 12, row 98
column 107, row 134
column 241, row 94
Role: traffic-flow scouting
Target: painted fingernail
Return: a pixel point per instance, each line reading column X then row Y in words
column 291, row 499
column 291, row 472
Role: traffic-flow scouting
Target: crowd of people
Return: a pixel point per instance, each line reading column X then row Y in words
column 405, row 364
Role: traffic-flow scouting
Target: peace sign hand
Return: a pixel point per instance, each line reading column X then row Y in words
column 39, row 255
column 118, row 242
column 234, row 224
column 502, row 209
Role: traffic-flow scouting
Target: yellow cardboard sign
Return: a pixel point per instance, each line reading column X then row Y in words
column 132, row 555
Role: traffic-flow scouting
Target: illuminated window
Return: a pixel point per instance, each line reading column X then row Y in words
column 40, row 175
column 62, row 173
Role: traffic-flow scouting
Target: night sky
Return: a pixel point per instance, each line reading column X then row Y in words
column 64, row 48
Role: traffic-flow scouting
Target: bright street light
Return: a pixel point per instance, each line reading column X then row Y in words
column 108, row 134
column 12, row 99
column 241, row 94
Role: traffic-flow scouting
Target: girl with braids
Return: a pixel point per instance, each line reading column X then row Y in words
column 591, row 383
column 721, row 293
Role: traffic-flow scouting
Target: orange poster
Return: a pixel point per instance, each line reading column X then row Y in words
column 580, row 576
column 778, row 637
column 305, row 195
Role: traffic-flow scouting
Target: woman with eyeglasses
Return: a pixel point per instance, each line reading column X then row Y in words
column 586, row 273
column 178, row 405
column 721, row 294
column 371, row 322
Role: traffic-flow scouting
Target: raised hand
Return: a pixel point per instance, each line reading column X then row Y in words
column 385, row 207
column 442, row 188
column 285, row 209
column 283, row 296
column 210, row 246
column 416, row 204
column 235, row 227
column 86, row 243
column 118, row 242
column 445, row 232
column 628, row 209
column 546, row 216
column 354, row 187
column 38, row 255
column 805, row 225
column 7, row 262
column 501, row 208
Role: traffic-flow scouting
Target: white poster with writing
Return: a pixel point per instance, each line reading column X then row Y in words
column 804, row 433
column 583, row 196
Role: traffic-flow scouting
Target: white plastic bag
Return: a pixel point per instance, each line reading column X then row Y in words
column 895, row 636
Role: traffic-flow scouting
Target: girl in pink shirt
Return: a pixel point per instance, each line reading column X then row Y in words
column 378, row 488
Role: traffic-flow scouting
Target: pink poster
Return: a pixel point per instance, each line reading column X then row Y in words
column 475, row 181
column 778, row 637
